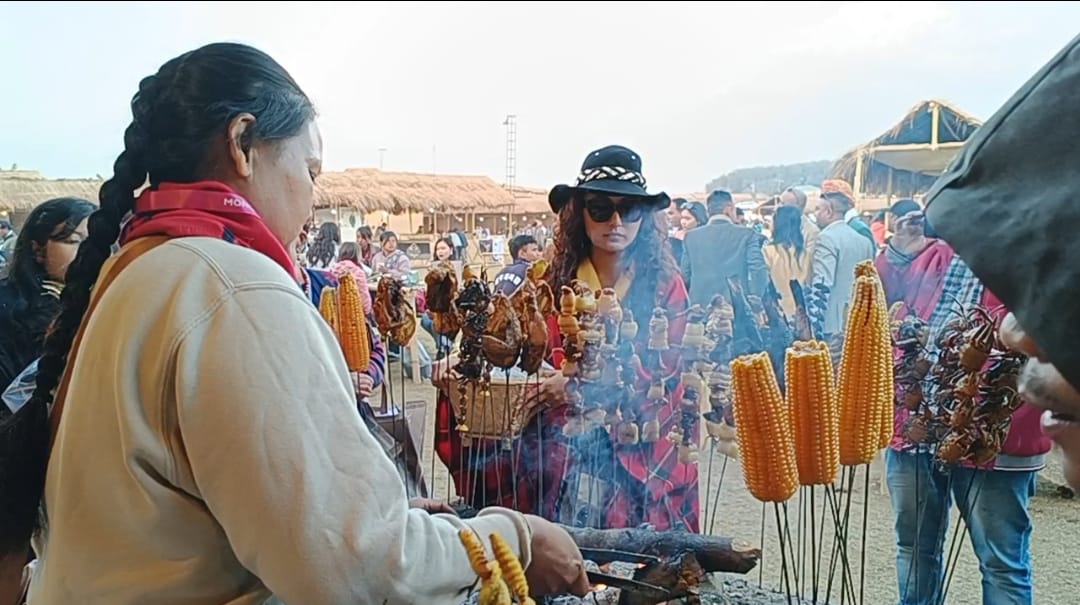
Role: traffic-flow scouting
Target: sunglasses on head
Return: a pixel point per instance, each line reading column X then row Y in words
column 601, row 208
column 912, row 218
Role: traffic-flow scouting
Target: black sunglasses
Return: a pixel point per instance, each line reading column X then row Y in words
column 601, row 209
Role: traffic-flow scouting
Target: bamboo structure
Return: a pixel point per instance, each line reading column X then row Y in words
column 909, row 157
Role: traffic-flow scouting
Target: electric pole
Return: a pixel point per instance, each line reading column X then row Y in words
column 511, row 168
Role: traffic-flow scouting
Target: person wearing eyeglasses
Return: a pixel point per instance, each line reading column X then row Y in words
column 610, row 235
column 723, row 249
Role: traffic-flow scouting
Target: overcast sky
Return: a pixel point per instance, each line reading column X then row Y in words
column 697, row 89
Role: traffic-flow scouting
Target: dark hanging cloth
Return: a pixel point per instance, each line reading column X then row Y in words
column 22, row 327
column 1009, row 204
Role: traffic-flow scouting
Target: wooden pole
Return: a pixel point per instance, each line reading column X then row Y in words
column 935, row 124
column 889, row 188
column 857, row 186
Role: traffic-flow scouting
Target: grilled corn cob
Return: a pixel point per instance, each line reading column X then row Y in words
column 512, row 571
column 475, row 548
column 353, row 331
column 766, row 440
column 328, row 307
column 865, row 268
column 883, row 362
column 493, row 589
column 811, row 398
column 865, row 384
column 884, row 370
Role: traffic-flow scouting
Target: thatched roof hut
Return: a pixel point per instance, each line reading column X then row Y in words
column 22, row 190
column 531, row 200
column 365, row 189
column 909, row 157
column 372, row 190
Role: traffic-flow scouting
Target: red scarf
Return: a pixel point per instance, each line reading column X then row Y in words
column 205, row 209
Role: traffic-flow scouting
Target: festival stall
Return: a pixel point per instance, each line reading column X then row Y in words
column 415, row 206
column 768, row 395
column 908, row 158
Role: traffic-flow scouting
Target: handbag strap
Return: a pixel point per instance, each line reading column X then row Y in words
column 125, row 257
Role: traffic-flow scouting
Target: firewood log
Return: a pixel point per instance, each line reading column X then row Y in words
column 713, row 553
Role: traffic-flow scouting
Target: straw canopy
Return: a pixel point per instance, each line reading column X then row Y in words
column 372, row 190
column 912, row 154
column 22, row 190
column 530, row 200
column 365, row 189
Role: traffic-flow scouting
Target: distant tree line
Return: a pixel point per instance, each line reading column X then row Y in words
column 770, row 180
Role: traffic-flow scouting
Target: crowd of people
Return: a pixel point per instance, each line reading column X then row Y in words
column 190, row 419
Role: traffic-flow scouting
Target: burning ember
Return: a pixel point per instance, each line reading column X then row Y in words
column 602, row 593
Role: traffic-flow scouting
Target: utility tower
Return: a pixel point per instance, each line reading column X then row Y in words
column 511, row 166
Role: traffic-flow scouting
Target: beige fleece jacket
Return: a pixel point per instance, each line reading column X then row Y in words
column 210, row 452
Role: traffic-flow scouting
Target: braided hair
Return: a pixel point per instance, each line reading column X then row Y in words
column 179, row 115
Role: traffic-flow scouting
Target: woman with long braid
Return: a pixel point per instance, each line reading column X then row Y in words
column 189, row 460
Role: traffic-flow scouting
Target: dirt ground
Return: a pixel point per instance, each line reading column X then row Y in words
column 1055, row 544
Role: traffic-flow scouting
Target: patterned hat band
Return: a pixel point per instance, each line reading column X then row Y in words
column 601, row 173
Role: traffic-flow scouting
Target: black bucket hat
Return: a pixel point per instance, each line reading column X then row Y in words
column 614, row 170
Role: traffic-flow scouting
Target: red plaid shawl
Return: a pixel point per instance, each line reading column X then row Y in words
column 544, row 471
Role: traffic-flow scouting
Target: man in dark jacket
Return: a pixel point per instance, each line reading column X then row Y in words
column 722, row 249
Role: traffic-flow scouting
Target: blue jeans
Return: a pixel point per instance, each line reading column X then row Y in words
column 993, row 503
